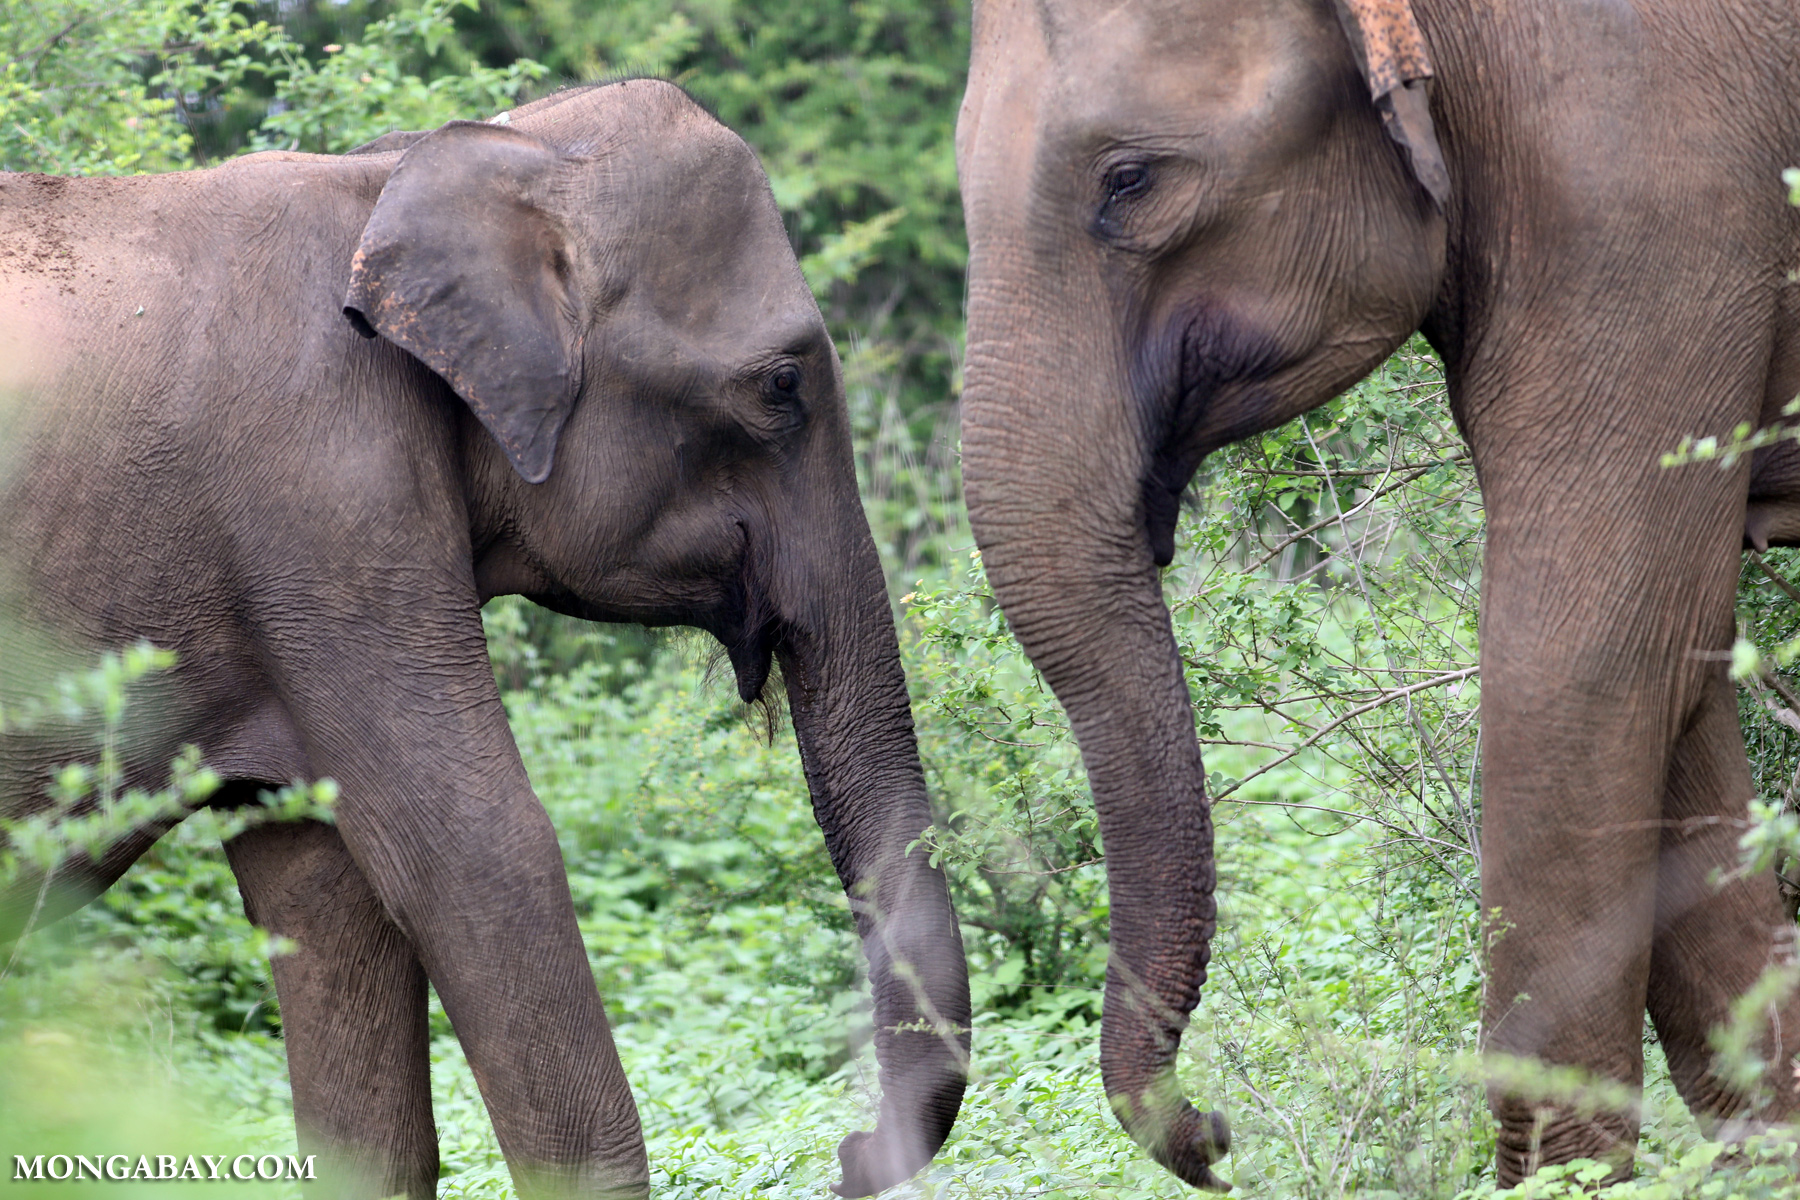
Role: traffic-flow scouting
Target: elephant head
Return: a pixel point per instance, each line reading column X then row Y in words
column 1189, row 220
column 655, row 431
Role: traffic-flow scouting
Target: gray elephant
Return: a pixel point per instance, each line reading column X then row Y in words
column 1192, row 221
column 580, row 364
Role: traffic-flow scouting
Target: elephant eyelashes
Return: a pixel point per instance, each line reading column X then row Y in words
column 780, row 386
column 1124, row 184
column 1126, row 181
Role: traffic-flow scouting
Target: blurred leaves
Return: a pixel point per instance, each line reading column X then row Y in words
column 360, row 90
column 96, row 87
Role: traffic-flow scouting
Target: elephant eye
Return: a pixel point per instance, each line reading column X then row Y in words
column 784, row 381
column 1127, row 180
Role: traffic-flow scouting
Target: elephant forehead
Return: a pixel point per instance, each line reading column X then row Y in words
column 1195, row 78
column 681, row 218
column 718, row 261
column 652, row 166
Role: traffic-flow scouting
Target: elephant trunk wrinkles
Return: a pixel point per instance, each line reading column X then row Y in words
column 1064, row 540
column 854, row 725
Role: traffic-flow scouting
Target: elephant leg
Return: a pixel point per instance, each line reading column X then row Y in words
column 1569, row 906
column 1607, row 593
column 436, row 810
column 1591, row 673
column 1712, row 943
column 353, row 1014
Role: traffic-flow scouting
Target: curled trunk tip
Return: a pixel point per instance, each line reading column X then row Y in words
column 1176, row 1134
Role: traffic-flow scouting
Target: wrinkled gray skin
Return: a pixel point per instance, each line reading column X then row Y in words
column 648, row 424
column 1608, row 274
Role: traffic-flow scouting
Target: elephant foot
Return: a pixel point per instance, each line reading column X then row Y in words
column 1529, row 1140
column 590, row 1182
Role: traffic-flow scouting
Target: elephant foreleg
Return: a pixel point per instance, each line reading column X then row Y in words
column 353, row 1013
column 1712, row 943
column 438, row 814
column 1569, row 897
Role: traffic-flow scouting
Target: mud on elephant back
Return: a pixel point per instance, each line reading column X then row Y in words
column 1191, row 220
column 297, row 417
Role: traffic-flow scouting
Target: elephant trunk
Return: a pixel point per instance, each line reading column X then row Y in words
column 853, row 721
column 1062, row 532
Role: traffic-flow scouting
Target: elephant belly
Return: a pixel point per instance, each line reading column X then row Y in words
column 1773, row 515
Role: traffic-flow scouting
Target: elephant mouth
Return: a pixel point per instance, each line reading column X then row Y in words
column 751, row 627
column 751, row 657
column 1164, row 485
column 1203, row 348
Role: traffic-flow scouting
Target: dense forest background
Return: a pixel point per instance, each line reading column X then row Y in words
column 1323, row 592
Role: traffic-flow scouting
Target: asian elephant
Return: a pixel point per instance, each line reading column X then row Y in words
column 296, row 417
column 1191, row 220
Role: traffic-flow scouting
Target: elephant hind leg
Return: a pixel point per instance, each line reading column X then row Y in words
column 1712, row 944
column 1772, row 517
column 353, row 1014
column 1532, row 1136
column 31, row 902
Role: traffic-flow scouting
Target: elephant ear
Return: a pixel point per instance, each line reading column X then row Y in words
column 1390, row 49
column 393, row 139
column 463, row 266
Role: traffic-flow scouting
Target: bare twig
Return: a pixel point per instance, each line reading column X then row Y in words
column 1342, row 515
column 1351, row 473
column 1404, row 832
column 1385, row 698
column 1775, row 576
column 1426, row 743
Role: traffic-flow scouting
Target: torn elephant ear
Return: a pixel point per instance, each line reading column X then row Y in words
column 463, row 265
column 1390, row 49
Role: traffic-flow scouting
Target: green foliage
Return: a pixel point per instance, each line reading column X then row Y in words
column 527, row 644
column 179, row 906
column 108, row 1069
column 851, row 107
column 362, row 89
column 1761, row 1167
column 1016, row 830
column 92, row 87
column 1763, row 662
column 1744, row 439
column 672, row 810
column 89, row 806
